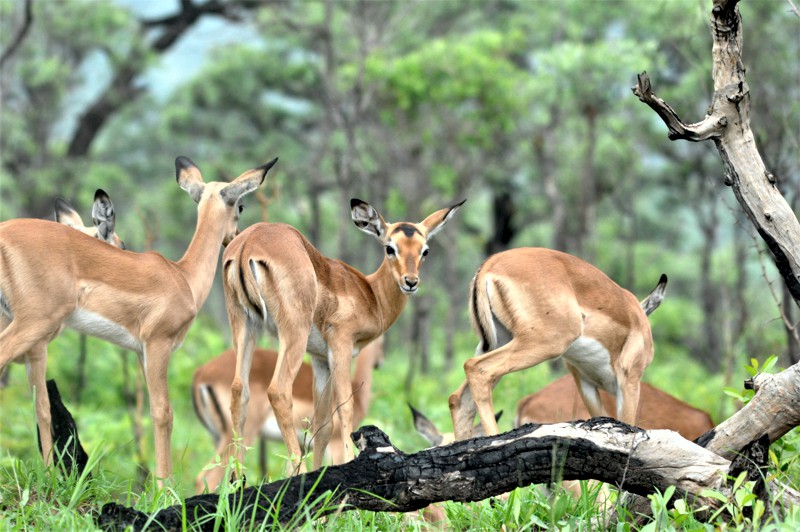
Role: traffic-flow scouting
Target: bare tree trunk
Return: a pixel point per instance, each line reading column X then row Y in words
column 728, row 125
column 709, row 291
column 587, row 213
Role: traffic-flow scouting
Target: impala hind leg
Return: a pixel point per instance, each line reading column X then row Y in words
column 484, row 371
column 462, row 411
column 589, row 393
column 290, row 358
column 628, row 401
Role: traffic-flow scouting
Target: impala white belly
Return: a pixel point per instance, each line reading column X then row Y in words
column 94, row 324
column 593, row 362
column 270, row 429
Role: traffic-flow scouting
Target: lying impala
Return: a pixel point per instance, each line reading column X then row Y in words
column 211, row 395
column 529, row 305
column 53, row 276
column 104, row 219
column 275, row 280
column 560, row 401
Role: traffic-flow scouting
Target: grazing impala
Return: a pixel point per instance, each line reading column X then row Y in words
column 529, row 305
column 275, row 280
column 211, row 395
column 560, row 401
column 52, row 276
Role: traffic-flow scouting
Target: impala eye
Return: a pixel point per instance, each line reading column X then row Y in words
column 241, row 208
column 390, row 251
column 425, row 253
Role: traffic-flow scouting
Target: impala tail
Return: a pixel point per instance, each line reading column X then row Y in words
column 209, row 411
column 480, row 313
column 242, row 280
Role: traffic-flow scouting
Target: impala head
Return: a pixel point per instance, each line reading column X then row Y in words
column 431, row 433
column 223, row 197
column 405, row 243
column 103, row 217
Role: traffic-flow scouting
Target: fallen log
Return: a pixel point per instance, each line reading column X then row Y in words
column 383, row 478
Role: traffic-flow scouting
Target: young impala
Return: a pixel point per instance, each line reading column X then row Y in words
column 275, row 280
column 53, row 276
column 211, row 395
column 529, row 305
column 104, row 219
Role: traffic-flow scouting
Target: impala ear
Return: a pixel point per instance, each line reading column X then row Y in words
column 436, row 221
column 425, row 427
column 189, row 178
column 65, row 214
column 246, row 183
column 103, row 216
column 654, row 298
column 367, row 218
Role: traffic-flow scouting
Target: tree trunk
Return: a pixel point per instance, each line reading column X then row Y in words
column 728, row 125
column 382, row 478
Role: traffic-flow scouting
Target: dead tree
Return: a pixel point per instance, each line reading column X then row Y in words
column 727, row 123
column 383, row 478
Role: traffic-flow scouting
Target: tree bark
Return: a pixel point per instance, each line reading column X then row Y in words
column 728, row 125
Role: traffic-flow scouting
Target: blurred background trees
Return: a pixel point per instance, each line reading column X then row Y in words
column 522, row 107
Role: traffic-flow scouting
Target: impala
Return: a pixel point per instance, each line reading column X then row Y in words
column 104, row 220
column 53, row 276
column 276, row 281
column 559, row 401
column 433, row 435
column 211, row 395
column 529, row 305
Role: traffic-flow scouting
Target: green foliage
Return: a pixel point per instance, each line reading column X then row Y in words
column 745, row 395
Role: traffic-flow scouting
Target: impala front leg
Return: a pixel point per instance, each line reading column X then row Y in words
column 339, row 360
column 156, row 361
column 323, row 397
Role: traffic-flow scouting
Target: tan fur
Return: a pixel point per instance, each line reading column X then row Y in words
column 560, row 401
column 217, row 375
column 50, row 273
column 276, row 281
column 544, row 301
column 65, row 214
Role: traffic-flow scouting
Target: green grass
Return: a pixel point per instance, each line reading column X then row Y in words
column 33, row 497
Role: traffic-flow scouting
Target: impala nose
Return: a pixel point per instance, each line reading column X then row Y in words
column 411, row 282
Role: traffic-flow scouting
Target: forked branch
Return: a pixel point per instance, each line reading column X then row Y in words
column 727, row 123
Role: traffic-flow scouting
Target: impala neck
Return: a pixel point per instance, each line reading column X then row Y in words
column 199, row 263
column 391, row 300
